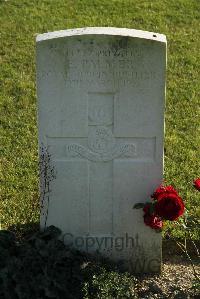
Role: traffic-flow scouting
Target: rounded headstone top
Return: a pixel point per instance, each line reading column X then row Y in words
column 113, row 31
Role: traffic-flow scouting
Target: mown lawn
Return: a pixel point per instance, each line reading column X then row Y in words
column 22, row 20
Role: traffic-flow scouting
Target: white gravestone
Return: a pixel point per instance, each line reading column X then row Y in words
column 101, row 94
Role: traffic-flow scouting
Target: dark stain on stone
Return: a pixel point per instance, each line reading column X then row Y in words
column 119, row 44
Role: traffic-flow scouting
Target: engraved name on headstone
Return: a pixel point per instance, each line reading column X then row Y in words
column 101, row 95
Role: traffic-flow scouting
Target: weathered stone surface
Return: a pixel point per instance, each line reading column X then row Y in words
column 101, row 98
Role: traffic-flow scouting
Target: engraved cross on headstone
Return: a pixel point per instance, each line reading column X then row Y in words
column 102, row 147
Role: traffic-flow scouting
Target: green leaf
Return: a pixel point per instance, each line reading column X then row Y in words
column 151, row 208
column 139, row 206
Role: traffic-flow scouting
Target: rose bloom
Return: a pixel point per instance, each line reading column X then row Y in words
column 161, row 189
column 169, row 206
column 197, row 184
column 151, row 220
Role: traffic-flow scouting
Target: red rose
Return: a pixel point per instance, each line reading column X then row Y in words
column 169, row 206
column 151, row 220
column 161, row 189
column 197, row 184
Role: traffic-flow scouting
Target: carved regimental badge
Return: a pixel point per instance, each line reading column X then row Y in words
column 101, row 146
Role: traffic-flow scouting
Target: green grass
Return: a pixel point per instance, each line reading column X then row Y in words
column 21, row 20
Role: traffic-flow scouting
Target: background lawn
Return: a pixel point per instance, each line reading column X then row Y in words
column 22, row 20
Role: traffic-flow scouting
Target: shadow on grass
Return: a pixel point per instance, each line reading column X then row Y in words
column 171, row 249
column 24, row 231
column 36, row 264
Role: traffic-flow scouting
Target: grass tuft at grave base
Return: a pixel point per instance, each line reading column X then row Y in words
column 21, row 21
